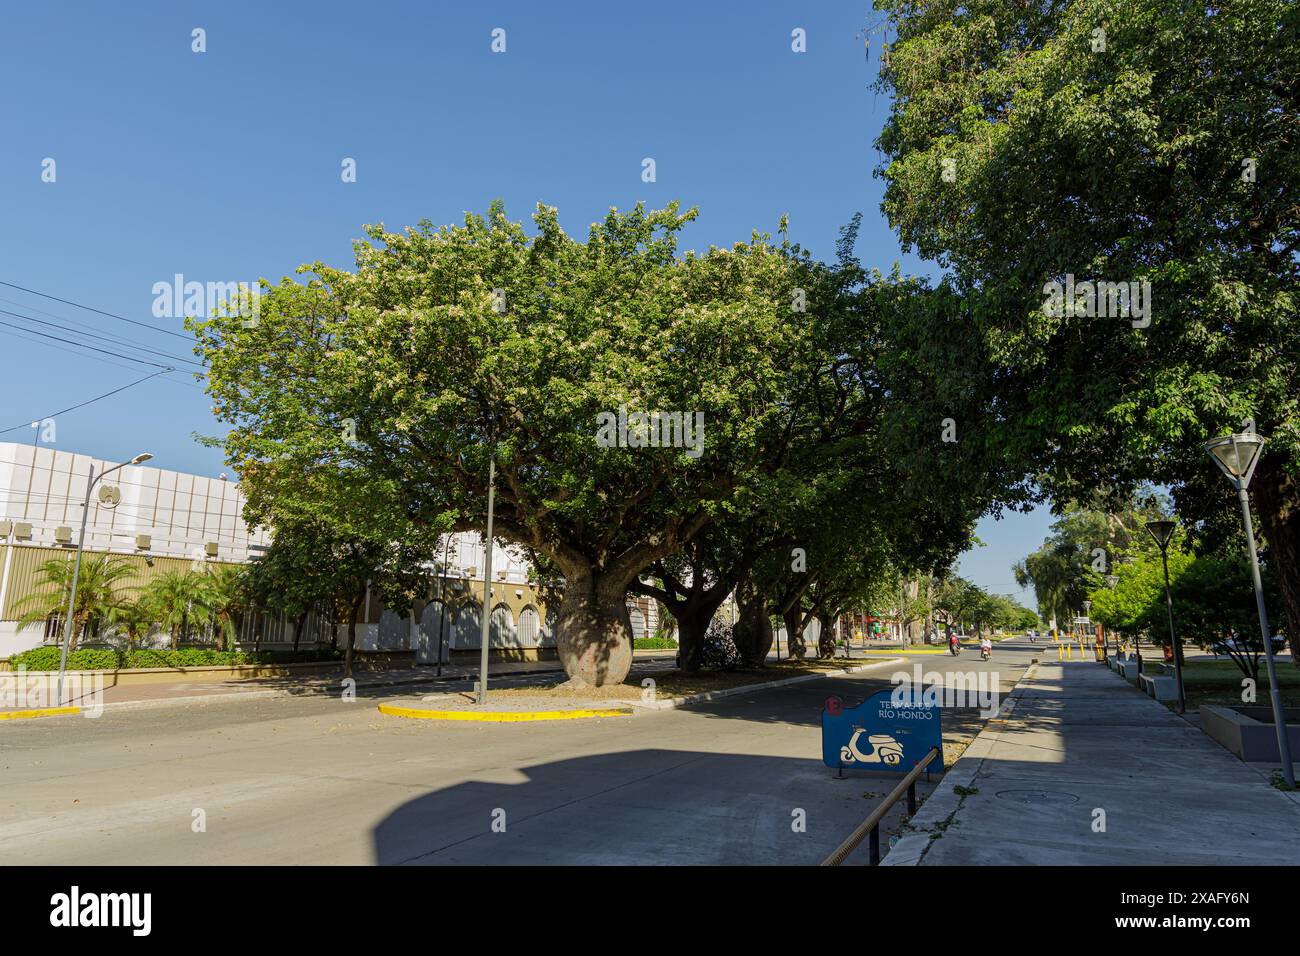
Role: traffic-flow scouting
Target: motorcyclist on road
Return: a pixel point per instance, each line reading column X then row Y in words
column 986, row 646
column 952, row 643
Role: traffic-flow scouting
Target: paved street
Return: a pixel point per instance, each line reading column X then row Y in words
column 1084, row 770
column 318, row 780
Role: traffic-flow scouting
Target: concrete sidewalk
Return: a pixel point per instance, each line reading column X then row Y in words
column 1081, row 769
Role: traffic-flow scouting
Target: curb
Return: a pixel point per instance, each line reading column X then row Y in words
column 944, row 802
column 915, row 653
column 671, row 704
column 42, row 712
column 675, row 702
column 501, row 716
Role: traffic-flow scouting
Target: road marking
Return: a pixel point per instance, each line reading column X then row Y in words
column 44, row 712
column 499, row 716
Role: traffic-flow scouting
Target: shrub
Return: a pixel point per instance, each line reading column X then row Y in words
column 147, row 657
column 93, row 659
column 37, row 659
column 653, row 643
column 96, row 658
column 719, row 649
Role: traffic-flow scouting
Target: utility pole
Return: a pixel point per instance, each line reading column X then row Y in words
column 487, row 583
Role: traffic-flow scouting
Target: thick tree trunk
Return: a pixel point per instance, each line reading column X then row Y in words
column 594, row 631
column 793, row 617
column 1277, row 501
column 826, row 637
column 753, row 631
column 692, row 624
column 354, row 613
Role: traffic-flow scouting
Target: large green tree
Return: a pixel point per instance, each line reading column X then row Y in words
column 448, row 348
column 1121, row 141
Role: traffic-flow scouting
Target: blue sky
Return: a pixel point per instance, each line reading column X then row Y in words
column 225, row 165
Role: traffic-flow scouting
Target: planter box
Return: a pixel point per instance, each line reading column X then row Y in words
column 1248, row 738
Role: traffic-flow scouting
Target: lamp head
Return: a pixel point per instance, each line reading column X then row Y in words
column 1162, row 531
column 143, row 456
column 1236, row 455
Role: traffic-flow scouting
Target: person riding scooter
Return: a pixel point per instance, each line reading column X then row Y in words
column 986, row 648
column 953, row 645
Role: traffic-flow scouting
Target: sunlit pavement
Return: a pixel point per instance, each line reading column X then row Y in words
column 318, row 780
column 1086, row 770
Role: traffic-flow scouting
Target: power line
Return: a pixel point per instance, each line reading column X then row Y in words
column 62, row 348
column 63, row 318
column 95, row 358
column 103, row 338
column 90, row 401
column 111, row 315
column 93, row 348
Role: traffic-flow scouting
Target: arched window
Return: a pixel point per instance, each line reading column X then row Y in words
column 529, row 627
column 502, row 630
column 812, row 632
column 468, row 626
column 394, row 631
column 638, row 623
column 432, row 630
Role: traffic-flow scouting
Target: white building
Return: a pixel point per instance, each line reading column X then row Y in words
column 172, row 520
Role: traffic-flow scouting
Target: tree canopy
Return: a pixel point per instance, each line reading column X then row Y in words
column 1121, row 141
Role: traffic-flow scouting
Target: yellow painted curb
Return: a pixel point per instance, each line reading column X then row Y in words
column 895, row 653
column 44, row 712
column 500, row 716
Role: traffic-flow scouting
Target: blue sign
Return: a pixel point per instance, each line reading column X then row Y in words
column 880, row 734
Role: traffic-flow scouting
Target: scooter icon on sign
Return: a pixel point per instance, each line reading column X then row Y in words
column 884, row 749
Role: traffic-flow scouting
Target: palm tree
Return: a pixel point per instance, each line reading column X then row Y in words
column 224, row 597
column 176, row 597
column 97, row 593
column 134, row 618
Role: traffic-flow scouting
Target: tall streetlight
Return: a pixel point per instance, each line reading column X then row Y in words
column 1111, row 581
column 1163, row 532
column 487, row 583
column 76, row 568
column 1087, row 620
column 1237, row 456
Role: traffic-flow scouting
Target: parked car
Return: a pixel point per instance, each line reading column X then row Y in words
column 1247, row 645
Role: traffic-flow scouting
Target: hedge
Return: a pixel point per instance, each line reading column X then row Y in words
column 102, row 658
column 654, row 643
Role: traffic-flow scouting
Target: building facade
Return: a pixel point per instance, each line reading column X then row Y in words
column 161, row 521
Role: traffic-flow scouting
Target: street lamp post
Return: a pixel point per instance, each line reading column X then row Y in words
column 487, row 584
column 1237, row 455
column 1087, row 618
column 442, row 596
column 76, row 568
column 1111, row 581
column 1163, row 532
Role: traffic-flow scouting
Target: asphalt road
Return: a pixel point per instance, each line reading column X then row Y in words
column 298, row 780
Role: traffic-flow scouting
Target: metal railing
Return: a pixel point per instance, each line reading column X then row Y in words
column 871, row 825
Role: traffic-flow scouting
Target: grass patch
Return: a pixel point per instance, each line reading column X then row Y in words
column 1219, row 682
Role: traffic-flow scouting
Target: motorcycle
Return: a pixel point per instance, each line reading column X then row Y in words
column 954, row 648
column 986, row 653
